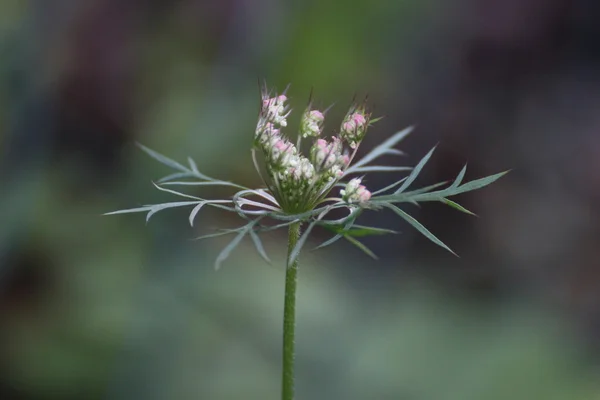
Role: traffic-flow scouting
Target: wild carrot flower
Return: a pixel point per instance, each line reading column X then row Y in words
column 299, row 191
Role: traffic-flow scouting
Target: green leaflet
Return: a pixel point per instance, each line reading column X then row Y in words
column 458, row 207
column 383, row 148
column 361, row 246
column 415, row 172
column 479, row 183
column 417, row 225
column 163, row 159
column 359, row 230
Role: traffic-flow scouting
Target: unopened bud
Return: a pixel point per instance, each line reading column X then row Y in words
column 312, row 123
column 354, row 192
column 275, row 110
column 354, row 128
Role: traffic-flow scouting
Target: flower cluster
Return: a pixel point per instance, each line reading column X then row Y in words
column 354, row 192
column 297, row 182
column 354, row 126
column 275, row 109
column 312, row 123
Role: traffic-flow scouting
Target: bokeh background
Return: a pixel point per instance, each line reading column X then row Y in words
column 111, row 308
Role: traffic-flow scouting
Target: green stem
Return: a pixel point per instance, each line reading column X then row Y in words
column 289, row 317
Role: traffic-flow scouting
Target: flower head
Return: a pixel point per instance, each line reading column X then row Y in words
column 354, row 192
column 325, row 154
column 275, row 110
column 354, row 126
column 297, row 182
column 311, row 124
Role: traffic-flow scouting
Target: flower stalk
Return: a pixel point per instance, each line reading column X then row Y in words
column 289, row 317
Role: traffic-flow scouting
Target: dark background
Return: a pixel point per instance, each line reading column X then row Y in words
column 110, row 308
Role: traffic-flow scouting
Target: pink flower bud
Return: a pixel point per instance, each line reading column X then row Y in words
column 316, row 115
column 354, row 127
column 358, row 119
column 280, row 145
column 274, row 110
column 354, row 192
column 363, row 194
column 311, row 123
column 346, row 159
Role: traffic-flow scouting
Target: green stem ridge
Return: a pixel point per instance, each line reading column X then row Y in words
column 289, row 317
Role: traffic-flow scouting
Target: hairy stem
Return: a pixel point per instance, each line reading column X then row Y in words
column 289, row 317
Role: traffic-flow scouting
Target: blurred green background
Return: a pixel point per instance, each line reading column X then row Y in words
column 110, row 308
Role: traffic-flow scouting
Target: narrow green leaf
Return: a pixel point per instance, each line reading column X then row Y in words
column 335, row 227
column 163, row 159
column 363, row 231
column 412, row 196
column 259, row 246
column 222, row 232
column 415, row 172
column 339, row 229
column 130, row 210
column 479, row 183
column 381, row 148
column 162, row 189
column 176, row 175
column 211, row 203
column 417, row 225
column 395, row 138
column 232, row 245
column 425, row 189
column 361, row 246
column 459, row 178
column 200, row 183
column 457, row 206
column 393, row 185
column 159, row 207
column 193, row 165
column 379, row 168
column 395, row 152
column 358, row 230
column 329, row 242
column 195, row 211
column 278, row 226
